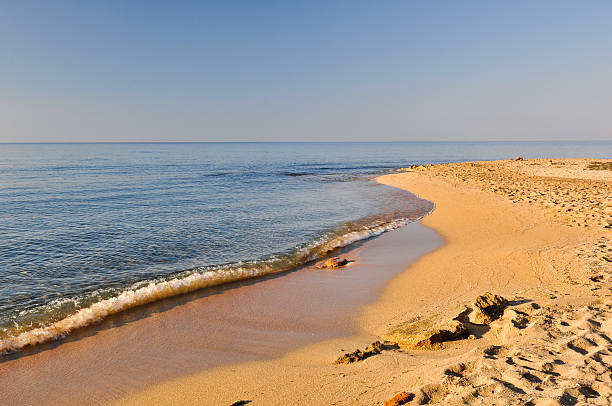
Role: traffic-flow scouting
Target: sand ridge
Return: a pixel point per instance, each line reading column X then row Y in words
column 552, row 346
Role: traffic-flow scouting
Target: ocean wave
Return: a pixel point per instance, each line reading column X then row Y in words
column 199, row 278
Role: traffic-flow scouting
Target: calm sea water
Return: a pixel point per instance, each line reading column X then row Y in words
column 88, row 230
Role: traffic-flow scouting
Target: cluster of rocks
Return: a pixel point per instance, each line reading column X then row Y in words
column 412, row 168
column 431, row 332
column 375, row 348
column 565, row 359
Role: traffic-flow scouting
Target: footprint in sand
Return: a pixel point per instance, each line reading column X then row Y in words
column 580, row 345
column 432, row 393
column 573, row 396
column 458, row 370
column 493, row 351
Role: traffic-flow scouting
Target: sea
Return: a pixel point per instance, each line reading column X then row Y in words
column 88, row 230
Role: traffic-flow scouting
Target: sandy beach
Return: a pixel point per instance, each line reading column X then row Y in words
column 306, row 203
column 536, row 232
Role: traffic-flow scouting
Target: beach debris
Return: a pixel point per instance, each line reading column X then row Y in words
column 427, row 333
column 400, row 399
column 375, row 348
column 486, row 308
column 518, row 158
column 335, row 262
column 413, row 168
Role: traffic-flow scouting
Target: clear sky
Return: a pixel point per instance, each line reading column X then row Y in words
column 305, row 70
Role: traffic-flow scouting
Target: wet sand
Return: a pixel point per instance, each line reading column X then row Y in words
column 253, row 320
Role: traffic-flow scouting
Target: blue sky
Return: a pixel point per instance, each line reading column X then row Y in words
column 305, row 70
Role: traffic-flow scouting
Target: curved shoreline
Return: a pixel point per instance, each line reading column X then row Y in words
column 193, row 280
column 226, row 325
column 491, row 245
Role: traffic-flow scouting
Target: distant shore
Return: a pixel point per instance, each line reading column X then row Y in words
column 534, row 231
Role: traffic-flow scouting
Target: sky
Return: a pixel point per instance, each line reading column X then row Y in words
column 183, row 71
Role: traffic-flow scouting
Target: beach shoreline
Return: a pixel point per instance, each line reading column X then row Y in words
column 498, row 241
column 255, row 319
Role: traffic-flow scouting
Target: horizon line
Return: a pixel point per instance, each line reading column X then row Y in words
column 290, row 142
